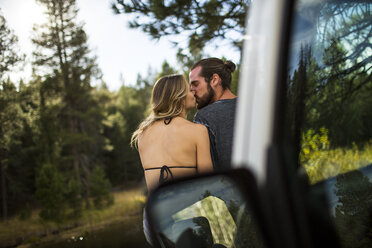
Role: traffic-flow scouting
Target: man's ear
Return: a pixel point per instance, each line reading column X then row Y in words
column 216, row 80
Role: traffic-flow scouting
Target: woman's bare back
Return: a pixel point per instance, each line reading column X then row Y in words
column 175, row 144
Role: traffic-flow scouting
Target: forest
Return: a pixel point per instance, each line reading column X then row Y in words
column 64, row 142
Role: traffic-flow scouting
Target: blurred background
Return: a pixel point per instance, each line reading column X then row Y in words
column 76, row 78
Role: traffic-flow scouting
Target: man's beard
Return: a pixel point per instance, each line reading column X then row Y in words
column 206, row 99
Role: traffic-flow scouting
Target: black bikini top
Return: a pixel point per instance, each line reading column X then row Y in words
column 166, row 169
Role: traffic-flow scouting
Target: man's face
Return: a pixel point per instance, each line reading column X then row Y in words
column 202, row 90
column 190, row 98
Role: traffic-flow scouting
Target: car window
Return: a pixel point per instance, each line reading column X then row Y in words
column 328, row 109
column 329, row 87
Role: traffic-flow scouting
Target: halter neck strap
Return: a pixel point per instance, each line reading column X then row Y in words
column 167, row 120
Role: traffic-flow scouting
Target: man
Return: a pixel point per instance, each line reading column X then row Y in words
column 210, row 81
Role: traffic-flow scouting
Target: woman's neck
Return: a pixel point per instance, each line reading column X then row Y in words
column 183, row 114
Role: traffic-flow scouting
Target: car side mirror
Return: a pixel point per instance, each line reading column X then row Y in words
column 215, row 210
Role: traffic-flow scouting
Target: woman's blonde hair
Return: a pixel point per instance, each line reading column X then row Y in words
column 167, row 101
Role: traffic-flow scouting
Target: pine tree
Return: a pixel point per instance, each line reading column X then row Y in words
column 200, row 21
column 9, row 108
column 70, row 116
column 21, row 161
column 100, row 188
column 9, row 53
column 50, row 193
column 10, row 128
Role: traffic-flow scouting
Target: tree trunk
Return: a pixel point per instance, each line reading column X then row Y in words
column 74, row 150
column 3, row 193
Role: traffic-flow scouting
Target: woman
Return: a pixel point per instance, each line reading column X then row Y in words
column 169, row 145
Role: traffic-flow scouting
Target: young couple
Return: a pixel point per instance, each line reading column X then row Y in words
column 169, row 145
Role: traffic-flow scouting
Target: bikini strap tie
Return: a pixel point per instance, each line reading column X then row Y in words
column 164, row 177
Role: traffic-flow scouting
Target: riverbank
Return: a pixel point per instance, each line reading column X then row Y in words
column 127, row 208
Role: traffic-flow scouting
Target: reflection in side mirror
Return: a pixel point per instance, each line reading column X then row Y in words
column 206, row 211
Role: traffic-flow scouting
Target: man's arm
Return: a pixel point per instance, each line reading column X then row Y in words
column 199, row 119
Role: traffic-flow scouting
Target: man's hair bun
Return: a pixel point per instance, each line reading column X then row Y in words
column 230, row 66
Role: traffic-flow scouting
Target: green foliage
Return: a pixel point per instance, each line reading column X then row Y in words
column 9, row 52
column 341, row 82
column 17, row 146
column 10, row 116
column 313, row 143
column 50, row 193
column 321, row 162
column 56, row 127
column 330, row 97
column 71, row 117
column 25, row 213
column 201, row 22
column 166, row 69
column 33, row 230
column 187, row 59
column 62, row 46
column 73, row 197
column 123, row 115
column 12, row 124
column 99, row 187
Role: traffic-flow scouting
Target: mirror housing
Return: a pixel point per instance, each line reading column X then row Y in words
column 210, row 210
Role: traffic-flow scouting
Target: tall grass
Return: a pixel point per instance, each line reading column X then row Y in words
column 322, row 162
column 127, row 204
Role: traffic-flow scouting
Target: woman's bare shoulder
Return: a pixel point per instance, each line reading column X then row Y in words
column 144, row 135
column 198, row 132
column 196, row 128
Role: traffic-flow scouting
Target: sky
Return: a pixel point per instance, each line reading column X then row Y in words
column 122, row 53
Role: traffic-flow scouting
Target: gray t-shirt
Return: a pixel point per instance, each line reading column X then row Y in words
column 219, row 118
